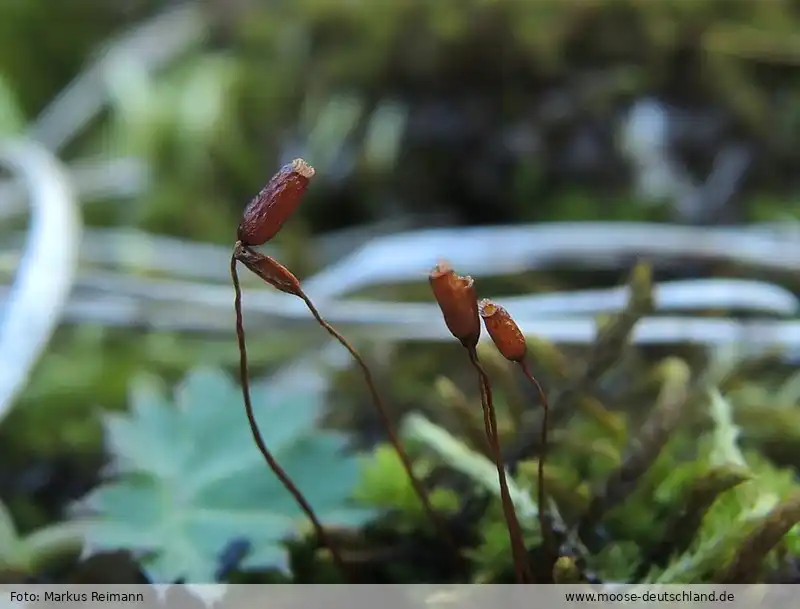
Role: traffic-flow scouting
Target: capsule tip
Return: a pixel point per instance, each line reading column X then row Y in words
column 487, row 308
column 303, row 168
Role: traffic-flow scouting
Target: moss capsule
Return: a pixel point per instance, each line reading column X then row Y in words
column 265, row 214
column 456, row 298
column 503, row 330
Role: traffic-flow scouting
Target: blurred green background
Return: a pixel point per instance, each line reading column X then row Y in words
column 415, row 113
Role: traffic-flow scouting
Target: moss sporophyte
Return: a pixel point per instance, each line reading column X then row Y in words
column 559, row 557
column 456, row 296
column 262, row 219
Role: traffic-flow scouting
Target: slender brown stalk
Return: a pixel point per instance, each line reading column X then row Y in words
column 547, row 533
column 280, row 473
column 520, row 554
column 388, row 425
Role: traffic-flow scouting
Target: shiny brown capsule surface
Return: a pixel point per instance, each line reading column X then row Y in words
column 456, row 298
column 265, row 214
column 503, row 330
column 268, row 269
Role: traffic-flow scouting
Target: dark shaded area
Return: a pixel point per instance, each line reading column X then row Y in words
column 510, row 112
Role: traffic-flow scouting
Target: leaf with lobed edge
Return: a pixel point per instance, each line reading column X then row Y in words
column 189, row 478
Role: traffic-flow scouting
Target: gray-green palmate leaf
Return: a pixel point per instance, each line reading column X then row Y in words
column 188, row 478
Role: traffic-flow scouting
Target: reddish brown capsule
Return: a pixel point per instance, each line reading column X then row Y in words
column 456, row 297
column 268, row 269
column 503, row 330
column 265, row 214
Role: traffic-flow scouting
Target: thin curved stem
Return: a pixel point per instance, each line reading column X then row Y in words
column 388, row 425
column 279, row 472
column 547, row 533
column 520, row 554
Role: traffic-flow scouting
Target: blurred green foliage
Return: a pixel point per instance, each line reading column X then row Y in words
column 408, row 106
column 189, row 480
column 384, row 484
column 366, row 87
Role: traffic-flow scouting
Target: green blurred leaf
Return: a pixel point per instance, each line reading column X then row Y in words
column 26, row 554
column 384, row 484
column 12, row 118
column 191, row 479
column 330, row 126
column 384, row 132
